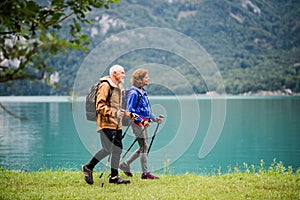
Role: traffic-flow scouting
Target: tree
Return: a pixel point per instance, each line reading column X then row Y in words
column 29, row 34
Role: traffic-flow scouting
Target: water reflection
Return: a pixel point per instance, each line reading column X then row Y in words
column 20, row 140
column 46, row 140
column 254, row 130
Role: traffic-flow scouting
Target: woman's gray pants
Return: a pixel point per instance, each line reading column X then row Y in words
column 141, row 133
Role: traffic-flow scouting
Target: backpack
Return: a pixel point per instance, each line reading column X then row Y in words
column 90, row 101
column 126, row 121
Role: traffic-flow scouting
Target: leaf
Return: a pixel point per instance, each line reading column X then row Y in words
column 56, row 17
column 113, row 1
column 57, row 3
column 84, row 37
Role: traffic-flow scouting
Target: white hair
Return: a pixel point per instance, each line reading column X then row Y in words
column 115, row 68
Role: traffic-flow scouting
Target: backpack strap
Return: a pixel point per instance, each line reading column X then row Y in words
column 109, row 92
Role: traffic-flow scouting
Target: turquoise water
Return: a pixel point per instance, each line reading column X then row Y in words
column 57, row 136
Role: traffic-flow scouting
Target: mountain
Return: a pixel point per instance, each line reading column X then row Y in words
column 255, row 45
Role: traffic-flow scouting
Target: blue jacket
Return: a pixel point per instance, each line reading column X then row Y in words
column 140, row 107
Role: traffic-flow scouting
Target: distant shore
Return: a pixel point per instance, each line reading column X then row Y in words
column 207, row 95
column 286, row 92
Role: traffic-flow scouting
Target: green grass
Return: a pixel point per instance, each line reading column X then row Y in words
column 274, row 183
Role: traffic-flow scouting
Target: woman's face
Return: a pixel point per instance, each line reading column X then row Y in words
column 146, row 79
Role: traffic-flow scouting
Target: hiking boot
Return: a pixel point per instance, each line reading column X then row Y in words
column 126, row 169
column 88, row 175
column 118, row 180
column 148, row 175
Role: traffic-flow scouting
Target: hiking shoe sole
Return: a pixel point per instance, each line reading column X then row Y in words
column 118, row 180
column 125, row 169
column 88, row 175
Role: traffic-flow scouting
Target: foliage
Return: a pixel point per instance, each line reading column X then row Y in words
column 31, row 32
column 255, row 44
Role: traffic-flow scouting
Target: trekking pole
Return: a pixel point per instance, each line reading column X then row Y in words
column 160, row 116
column 133, row 143
column 131, row 121
column 109, row 156
column 126, row 129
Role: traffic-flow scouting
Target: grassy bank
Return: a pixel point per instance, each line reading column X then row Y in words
column 268, row 184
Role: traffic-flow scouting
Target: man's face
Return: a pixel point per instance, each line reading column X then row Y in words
column 120, row 75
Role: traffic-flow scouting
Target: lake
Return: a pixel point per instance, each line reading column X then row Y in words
column 198, row 135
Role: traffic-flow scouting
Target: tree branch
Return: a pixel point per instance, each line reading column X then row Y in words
column 65, row 17
column 7, row 32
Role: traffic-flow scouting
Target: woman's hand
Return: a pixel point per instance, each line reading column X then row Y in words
column 159, row 120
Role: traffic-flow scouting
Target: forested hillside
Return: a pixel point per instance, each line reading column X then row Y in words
column 255, row 44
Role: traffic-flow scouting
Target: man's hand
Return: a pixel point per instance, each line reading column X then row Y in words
column 133, row 116
column 130, row 115
column 119, row 113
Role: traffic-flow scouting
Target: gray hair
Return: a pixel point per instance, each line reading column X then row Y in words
column 115, row 68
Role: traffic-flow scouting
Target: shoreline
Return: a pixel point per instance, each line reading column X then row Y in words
column 37, row 99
